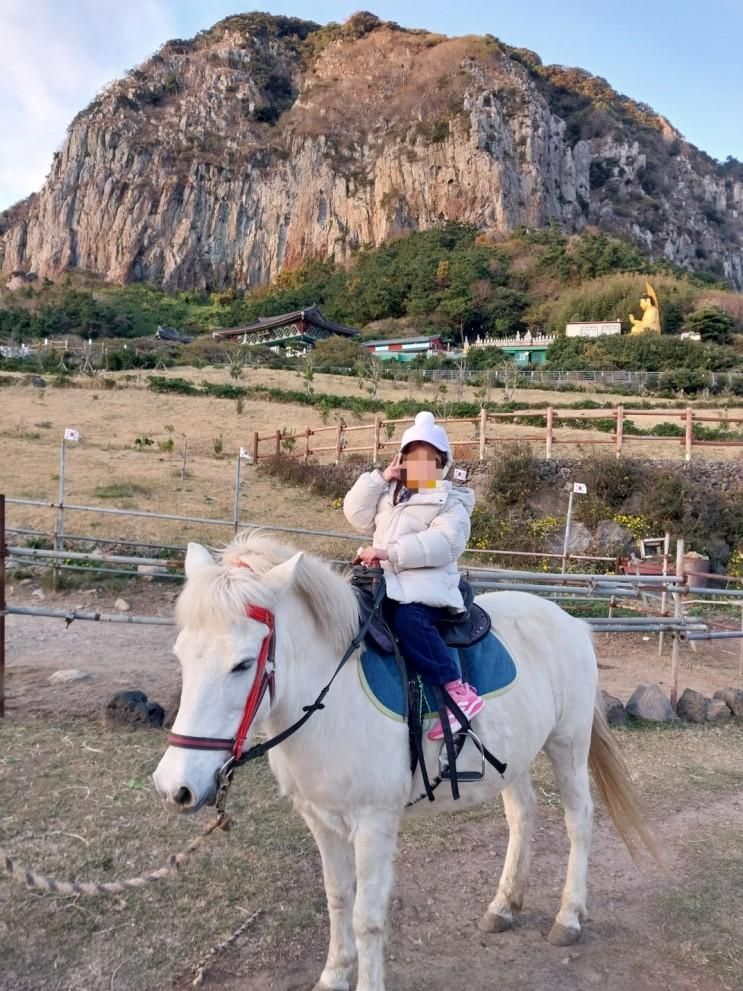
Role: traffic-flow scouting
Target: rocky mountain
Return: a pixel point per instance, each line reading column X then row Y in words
column 264, row 140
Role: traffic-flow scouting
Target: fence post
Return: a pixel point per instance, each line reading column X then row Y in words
column 59, row 536
column 664, row 594
column 255, row 447
column 689, row 434
column 566, row 541
column 678, row 611
column 377, row 432
column 307, row 435
column 339, row 442
column 483, row 431
column 237, row 493
column 278, row 443
column 620, row 429
column 2, row 606
column 548, row 442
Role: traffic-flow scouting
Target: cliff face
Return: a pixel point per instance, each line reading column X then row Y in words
column 266, row 140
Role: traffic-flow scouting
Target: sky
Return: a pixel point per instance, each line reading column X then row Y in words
column 682, row 57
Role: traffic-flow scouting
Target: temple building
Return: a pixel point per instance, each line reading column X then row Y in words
column 298, row 330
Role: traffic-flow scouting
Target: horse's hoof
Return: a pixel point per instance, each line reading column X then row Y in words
column 563, row 935
column 491, row 923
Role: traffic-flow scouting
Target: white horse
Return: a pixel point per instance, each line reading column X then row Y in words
column 347, row 769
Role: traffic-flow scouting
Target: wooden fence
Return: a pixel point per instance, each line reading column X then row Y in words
column 340, row 439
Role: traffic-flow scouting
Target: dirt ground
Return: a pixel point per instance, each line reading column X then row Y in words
column 66, row 783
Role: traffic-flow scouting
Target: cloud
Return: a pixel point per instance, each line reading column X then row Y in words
column 56, row 57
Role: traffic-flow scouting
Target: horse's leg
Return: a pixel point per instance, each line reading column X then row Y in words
column 519, row 803
column 569, row 759
column 338, row 874
column 374, row 841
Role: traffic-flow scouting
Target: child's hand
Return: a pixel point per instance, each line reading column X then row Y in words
column 370, row 556
column 393, row 471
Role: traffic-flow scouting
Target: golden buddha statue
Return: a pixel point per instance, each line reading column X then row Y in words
column 649, row 322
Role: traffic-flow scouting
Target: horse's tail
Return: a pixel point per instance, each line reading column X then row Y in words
column 613, row 781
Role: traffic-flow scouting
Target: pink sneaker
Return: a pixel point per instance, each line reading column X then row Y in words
column 468, row 701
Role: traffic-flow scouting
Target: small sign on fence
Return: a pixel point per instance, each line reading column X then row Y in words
column 580, row 488
column 460, row 474
column 246, row 455
column 71, row 434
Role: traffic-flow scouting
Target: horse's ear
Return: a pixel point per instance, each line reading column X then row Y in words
column 197, row 558
column 283, row 575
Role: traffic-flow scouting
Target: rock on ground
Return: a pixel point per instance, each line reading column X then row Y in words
column 579, row 541
column 733, row 698
column 616, row 714
column 717, row 711
column 121, row 605
column 692, row 706
column 132, row 709
column 67, row 676
column 613, row 535
column 650, row 702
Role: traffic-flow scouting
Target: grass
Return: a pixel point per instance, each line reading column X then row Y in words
column 706, row 915
column 78, row 803
column 121, row 490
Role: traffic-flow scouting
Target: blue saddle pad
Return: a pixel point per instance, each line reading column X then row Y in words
column 488, row 667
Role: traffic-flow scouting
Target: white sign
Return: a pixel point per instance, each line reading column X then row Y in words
column 599, row 328
column 71, row 434
column 580, row 488
column 246, row 455
column 460, row 474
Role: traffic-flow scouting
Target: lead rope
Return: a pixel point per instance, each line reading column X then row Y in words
column 39, row 882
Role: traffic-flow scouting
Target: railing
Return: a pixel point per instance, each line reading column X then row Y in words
column 375, row 436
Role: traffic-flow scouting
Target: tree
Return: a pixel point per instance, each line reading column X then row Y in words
column 712, row 324
column 338, row 352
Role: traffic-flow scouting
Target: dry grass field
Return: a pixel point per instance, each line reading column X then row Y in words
column 107, row 468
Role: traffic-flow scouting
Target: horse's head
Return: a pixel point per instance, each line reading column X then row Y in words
column 225, row 618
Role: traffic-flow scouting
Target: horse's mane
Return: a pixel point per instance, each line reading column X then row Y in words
column 215, row 596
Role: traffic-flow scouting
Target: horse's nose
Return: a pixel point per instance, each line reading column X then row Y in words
column 183, row 797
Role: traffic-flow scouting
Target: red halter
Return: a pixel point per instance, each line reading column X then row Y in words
column 264, row 680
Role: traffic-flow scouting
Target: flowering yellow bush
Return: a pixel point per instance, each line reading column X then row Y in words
column 544, row 527
column 638, row 526
column 735, row 564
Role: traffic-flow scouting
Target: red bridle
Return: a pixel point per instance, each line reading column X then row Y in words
column 264, row 680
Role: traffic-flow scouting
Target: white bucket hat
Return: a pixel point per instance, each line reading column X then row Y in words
column 426, row 430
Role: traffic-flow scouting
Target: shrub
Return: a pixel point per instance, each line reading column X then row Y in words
column 610, row 479
column 712, row 324
column 325, row 480
column 514, row 476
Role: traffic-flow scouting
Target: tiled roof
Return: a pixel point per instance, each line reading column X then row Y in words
column 312, row 314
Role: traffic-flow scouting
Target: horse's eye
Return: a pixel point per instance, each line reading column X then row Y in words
column 243, row 666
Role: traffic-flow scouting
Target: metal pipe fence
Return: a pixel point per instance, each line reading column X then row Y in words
column 579, row 587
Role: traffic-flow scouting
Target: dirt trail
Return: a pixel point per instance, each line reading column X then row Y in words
column 434, row 943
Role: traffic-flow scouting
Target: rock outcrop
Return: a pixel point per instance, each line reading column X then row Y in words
column 268, row 140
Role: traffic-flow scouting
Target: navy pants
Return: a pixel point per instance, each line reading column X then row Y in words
column 421, row 642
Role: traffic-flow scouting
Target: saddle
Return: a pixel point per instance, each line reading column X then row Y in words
column 462, row 629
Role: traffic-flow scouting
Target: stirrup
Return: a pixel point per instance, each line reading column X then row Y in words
column 444, row 770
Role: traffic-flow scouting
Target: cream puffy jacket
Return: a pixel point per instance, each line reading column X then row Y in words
column 423, row 536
